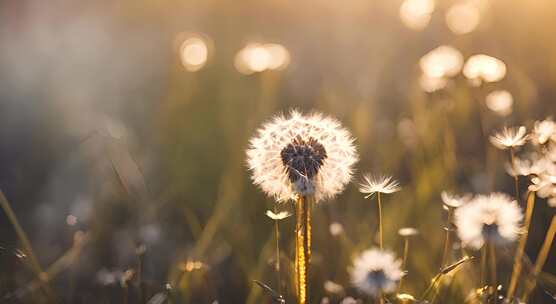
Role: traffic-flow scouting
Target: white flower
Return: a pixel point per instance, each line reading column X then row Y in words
column 301, row 155
column 544, row 131
column 454, row 201
column 494, row 218
column 509, row 138
column 383, row 184
column 376, row 272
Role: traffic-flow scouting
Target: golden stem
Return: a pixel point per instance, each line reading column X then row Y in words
column 521, row 247
column 541, row 259
column 303, row 247
column 483, row 264
column 380, row 235
column 404, row 260
column 41, row 275
column 493, row 280
column 447, row 240
column 277, row 235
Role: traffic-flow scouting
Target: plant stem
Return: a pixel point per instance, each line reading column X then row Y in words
column 516, row 178
column 521, row 246
column 380, row 235
column 447, row 240
column 483, row 264
column 35, row 265
column 404, row 261
column 493, row 280
column 303, row 247
column 541, row 260
column 277, row 235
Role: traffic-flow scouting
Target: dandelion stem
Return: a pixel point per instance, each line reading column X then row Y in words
column 303, row 246
column 380, row 235
column 277, row 235
column 541, row 260
column 447, row 240
column 516, row 178
column 404, row 260
column 493, row 279
column 521, row 247
column 483, row 264
column 41, row 275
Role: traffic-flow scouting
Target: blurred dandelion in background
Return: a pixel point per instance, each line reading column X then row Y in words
column 432, row 84
column 416, row 14
column 484, row 68
column 509, row 138
column 443, row 61
column 376, row 272
column 194, row 51
column 463, row 17
column 256, row 57
column 500, row 102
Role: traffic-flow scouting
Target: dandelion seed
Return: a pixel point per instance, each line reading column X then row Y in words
column 544, row 131
column 454, row 201
column 302, row 155
column 509, row 138
column 378, row 184
column 278, row 216
column 408, row 231
column 376, row 272
column 493, row 218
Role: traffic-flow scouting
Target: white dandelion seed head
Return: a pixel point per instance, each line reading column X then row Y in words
column 332, row 287
column 454, row 201
column 509, row 138
column 544, row 131
column 302, row 155
column 376, row 272
column 544, row 185
column 336, row 229
column 484, row 68
column 373, row 184
column 278, row 216
column 494, row 218
column 408, row 231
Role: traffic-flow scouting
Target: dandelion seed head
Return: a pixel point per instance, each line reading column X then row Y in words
column 463, row 18
column 484, row 68
column 302, row 155
column 336, row 229
column 500, row 102
column 332, row 287
column 278, row 216
column 416, row 14
column 444, row 61
column 375, row 272
column 378, row 184
column 494, row 218
column 509, row 138
column 544, row 131
column 454, row 201
column 408, row 231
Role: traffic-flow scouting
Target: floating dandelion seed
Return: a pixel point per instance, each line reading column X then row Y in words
column 454, row 201
column 509, row 138
column 484, row 68
column 493, row 218
column 544, row 131
column 416, row 14
column 302, row 154
column 444, row 61
column 500, row 102
column 463, row 18
column 376, row 272
column 378, row 184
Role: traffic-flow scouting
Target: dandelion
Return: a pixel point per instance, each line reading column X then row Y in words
column 484, row 68
column 509, row 138
column 376, row 272
column 336, row 229
column 406, row 233
column 544, row 131
column 500, row 102
column 490, row 218
column 381, row 184
column 278, row 216
column 454, row 201
column 451, row 202
column 306, row 158
column 332, row 287
column 444, row 61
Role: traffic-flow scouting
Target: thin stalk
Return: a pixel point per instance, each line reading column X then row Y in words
column 493, row 280
column 447, row 240
column 516, row 178
column 404, row 260
column 541, row 259
column 483, row 264
column 521, row 247
column 35, row 265
column 303, row 247
column 380, row 235
column 277, row 236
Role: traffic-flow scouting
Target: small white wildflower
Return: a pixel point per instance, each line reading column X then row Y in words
column 336, row 229
column 408, row 231
column 301, row 155
column 376, row 272
column 278, row 216
column 544, row 131
column 494, row 218
column 378, row 184
column 454, row 201
column 509, row 138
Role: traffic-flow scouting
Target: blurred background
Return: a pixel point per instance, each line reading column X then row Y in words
column 124, row 124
